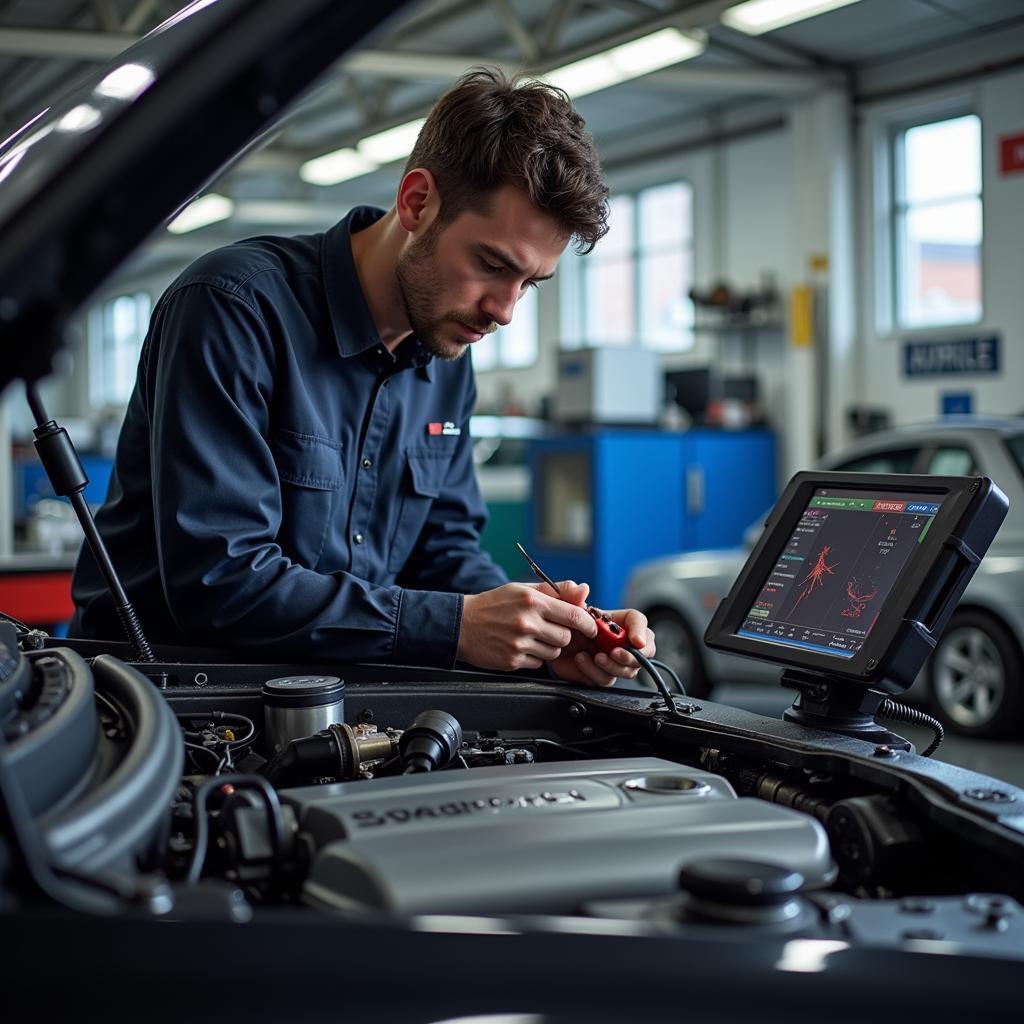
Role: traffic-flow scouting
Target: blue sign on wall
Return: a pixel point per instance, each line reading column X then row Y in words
column 957, row 403
column 975, row 355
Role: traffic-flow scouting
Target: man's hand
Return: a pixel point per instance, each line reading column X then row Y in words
column 581, row 661
column 522, row 625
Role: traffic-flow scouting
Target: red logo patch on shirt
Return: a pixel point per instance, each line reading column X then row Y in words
column 447, row 429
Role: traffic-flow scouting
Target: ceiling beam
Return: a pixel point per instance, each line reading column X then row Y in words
column 68, row 44
column 429, row 67
column 139, row 15
column 765, row 81
column 517, row 31
column 554, row 21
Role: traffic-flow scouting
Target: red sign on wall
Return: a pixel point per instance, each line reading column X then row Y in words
column 1011, row 154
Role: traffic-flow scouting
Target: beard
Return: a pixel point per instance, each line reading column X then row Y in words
column 419, row 283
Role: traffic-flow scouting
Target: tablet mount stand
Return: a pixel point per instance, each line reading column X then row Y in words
column 841, row 706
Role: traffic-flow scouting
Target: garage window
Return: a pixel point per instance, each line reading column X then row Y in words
column 634, row 286
column 515, row 345
column 116, row 331
column 937, row 222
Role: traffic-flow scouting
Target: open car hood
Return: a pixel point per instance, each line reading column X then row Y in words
column 86, row 181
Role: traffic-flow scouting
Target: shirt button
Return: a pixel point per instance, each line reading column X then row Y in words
column 359, row 538
column 367, row 463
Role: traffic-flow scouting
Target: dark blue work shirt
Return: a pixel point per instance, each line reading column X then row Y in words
column 282, row 480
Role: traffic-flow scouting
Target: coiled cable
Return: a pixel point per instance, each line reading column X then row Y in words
column 894, row 711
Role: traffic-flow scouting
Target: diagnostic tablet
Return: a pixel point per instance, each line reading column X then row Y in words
column 856, row 574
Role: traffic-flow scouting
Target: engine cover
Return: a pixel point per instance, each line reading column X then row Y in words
column 540, row 838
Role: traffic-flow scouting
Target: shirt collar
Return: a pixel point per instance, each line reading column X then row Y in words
column 354, row 329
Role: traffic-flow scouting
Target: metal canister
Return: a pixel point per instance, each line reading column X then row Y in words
column 299, row 706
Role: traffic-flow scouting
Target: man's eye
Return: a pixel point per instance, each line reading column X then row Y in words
column 491, row 268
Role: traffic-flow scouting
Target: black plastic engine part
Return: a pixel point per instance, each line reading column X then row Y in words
column 872, row 840
column 744, row 892
column 430, row 742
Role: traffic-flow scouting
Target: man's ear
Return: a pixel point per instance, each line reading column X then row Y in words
column 418, row 202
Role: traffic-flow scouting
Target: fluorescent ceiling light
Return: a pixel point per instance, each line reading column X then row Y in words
column 393, row 144
column 331, row 168
column 630, row 60
column 126, row 82
column 288, row 213
column 205, row 210
column 756, row 17
column 369, row 154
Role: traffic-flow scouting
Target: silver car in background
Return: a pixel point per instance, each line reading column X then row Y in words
column 974, row 680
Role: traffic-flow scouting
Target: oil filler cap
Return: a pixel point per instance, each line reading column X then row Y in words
column 740, row 881
column 743, row 892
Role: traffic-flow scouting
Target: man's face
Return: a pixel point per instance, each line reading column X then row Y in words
column 460, row 281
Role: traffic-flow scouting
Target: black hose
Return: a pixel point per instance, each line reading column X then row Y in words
column 894, row 711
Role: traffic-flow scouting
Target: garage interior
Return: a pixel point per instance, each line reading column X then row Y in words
column 815, row 241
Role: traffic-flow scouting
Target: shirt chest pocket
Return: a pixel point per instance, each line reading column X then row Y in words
column 312, row 477
column 423, row 477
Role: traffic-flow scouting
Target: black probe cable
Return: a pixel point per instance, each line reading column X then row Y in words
column 665, row 666
column 655, row 675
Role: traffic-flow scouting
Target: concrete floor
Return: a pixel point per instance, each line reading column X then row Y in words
column 1002, row 759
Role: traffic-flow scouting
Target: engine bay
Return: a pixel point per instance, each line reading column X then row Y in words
column 434, row 794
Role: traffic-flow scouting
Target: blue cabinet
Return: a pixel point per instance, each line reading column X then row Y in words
column 605, row 501
column 31, row 483
column 730, row 482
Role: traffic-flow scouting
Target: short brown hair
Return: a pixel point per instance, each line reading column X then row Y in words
column 490, row 130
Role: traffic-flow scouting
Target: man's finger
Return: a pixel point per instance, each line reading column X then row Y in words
column 538, row 649
column 571, row 615
column 616, row 665
column 593, row 673
column 635, row 624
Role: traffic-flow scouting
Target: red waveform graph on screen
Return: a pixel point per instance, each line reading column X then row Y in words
column 859, row 597
column 816, row 577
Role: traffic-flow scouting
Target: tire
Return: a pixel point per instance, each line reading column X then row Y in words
column 974, row 677
column 678, row 647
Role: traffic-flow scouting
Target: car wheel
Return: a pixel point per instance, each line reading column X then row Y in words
column 678, row 648
column 974, row 676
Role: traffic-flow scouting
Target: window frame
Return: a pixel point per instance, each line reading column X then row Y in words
column 635, row 255
column 99, row 345
column 897, row 207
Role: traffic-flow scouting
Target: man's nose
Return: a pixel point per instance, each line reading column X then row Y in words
column 498, row 305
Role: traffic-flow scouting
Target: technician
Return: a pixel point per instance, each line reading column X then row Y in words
column 295, row 470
